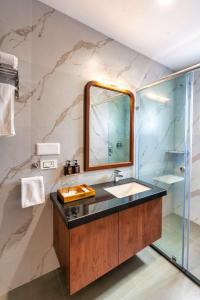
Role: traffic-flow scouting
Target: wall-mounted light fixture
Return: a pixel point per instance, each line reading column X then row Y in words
column 156, row 97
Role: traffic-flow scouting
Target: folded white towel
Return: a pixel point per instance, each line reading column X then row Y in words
column 9, row 59
column 7, row 97
column 32, row 191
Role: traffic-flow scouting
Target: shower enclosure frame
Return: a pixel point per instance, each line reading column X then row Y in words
column 183, row 267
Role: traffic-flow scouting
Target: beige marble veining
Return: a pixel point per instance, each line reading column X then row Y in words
column 57, row 57
column 24, row 32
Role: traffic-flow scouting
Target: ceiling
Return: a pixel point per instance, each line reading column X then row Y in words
column 167, row 31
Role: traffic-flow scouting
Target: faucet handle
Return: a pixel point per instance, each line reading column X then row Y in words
column 117, row 171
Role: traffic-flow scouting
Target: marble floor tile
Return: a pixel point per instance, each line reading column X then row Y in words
column 147, row 276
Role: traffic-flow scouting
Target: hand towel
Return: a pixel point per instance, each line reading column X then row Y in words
column 9, row 59
column 7, row 97
column 32, row 191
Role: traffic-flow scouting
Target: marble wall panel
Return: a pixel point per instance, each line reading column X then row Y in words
column 57, row 57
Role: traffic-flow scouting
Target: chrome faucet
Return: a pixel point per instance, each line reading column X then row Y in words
column 117, row 175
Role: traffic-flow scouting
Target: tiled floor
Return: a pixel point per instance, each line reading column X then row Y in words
column 171, row 241
column 147, row 276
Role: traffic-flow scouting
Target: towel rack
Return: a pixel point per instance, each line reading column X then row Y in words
column 9, row 75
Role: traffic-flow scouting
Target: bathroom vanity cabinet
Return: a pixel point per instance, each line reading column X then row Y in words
column 92, row 242
column 88, row 251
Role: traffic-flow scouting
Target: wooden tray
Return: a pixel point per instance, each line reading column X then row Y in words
column 74, row 193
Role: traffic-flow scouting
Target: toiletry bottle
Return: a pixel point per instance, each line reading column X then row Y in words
column 68, row 168
column 76, row 167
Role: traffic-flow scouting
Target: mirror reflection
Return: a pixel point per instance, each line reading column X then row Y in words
column 110, row 127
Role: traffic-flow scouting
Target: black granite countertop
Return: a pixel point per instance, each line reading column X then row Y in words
column 83, row 211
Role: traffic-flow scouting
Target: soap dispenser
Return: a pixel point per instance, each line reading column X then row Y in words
column 68, row 170
column 76, row 167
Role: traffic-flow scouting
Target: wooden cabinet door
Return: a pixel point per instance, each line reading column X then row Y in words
column 139, row 227
column 152, row 221
column 93, row 251
column 130, row 232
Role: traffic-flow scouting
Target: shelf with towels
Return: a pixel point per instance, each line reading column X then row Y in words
column 9, row 75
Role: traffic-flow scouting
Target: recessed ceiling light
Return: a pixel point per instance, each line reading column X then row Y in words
column 165, row 2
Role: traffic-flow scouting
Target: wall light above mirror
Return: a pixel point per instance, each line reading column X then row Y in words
column 109, row 121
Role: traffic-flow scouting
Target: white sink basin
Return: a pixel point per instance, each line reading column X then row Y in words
column 127, row 189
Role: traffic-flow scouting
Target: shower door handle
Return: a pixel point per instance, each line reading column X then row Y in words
column 182, row 169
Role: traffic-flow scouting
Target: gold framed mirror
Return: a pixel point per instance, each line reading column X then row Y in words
column 109, row 122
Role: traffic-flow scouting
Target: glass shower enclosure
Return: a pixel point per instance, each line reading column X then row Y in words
column 164, row 158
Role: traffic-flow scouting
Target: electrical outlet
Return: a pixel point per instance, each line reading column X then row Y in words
column 48, row 164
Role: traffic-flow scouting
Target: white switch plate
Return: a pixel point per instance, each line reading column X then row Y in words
column 47, row 148
column 46, row 164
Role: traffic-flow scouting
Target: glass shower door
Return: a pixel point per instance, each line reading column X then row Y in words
column 193, row 265
column 162, row 152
